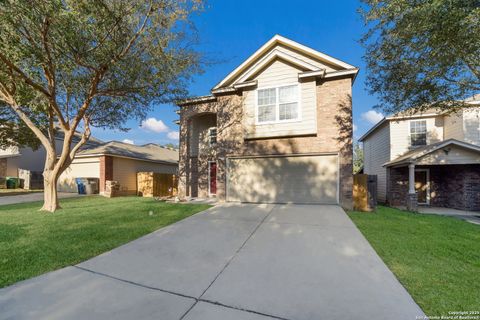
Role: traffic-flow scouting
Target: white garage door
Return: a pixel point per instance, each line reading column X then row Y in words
column 80, row 168
column 292, row 179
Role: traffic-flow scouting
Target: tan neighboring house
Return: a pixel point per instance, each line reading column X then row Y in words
column 120, row 162
column 277, row 129
column 12, row 159
column 428, row 158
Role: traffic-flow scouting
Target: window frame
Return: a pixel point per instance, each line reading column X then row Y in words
column 410, row 134
column 209, row 136
column 277, row 104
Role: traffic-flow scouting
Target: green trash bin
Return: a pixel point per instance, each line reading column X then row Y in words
column 13, row 182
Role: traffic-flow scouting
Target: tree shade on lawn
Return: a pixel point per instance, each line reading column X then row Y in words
column 436, row 258
column 32, row 244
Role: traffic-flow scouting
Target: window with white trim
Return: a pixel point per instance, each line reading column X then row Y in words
column 212, row 136
column 277, row 104
column 418, row 133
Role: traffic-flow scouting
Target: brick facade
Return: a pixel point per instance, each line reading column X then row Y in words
column 451, row 186
column 334, row 134
column 106, row 171
column 456, row 187
column 397, row 186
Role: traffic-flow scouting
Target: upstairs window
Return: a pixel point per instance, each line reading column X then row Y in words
column 277, row 104
column 212, row 136
column 418, row 133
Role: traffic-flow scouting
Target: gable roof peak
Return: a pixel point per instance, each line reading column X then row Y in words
column 277, row 40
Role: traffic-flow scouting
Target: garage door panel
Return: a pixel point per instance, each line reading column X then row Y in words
column 302, row 179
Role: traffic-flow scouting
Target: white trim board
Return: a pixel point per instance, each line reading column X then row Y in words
column 277, row 39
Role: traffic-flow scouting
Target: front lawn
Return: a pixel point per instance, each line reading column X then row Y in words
column 436, row 258
column 32, row 243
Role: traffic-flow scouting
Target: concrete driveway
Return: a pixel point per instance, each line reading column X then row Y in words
column 237, row 262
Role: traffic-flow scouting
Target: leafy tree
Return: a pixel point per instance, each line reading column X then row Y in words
column 77, row 63
column 171, row 146
column 357, row 157
column 422, row 54
column 14, row 132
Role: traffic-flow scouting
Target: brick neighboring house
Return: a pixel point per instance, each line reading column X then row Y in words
column 277, row 129
column 430, row 158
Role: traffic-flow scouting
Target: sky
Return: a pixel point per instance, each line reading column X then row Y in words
column 230, row 31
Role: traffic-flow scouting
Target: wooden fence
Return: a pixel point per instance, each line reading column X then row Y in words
column 364, row 192
column 151, row 184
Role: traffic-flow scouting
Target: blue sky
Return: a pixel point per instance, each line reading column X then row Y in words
column 230, row 31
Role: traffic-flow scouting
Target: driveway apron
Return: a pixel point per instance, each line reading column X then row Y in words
column 233, row 261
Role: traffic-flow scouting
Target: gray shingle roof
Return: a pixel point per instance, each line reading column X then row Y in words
column 148, row 152
column 419, row 152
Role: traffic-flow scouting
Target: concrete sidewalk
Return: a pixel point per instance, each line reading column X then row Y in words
column 239, row 262
column 32, row 197
column 469, row 216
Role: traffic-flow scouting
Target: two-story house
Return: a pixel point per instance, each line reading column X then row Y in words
column 277, row 129
column 430, row 158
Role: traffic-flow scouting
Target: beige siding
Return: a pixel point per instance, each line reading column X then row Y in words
column 455, row 155
column 283, row 49
column 471, row 125
column 400, row 134
column 277, row 74
column 125, row 172
column 80, row 168
column 12, row 166
column 376, row 150
column 303, row 179
column 315, row 62
column 454, row 126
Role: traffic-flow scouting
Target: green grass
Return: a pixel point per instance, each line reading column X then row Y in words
column 32, row 242
column 436, row 258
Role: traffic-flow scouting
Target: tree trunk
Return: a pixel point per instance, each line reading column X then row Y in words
column 50, row 196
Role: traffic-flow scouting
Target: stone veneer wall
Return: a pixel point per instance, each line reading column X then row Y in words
column 334, row 134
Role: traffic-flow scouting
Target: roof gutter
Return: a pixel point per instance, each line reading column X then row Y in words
column 124, row 157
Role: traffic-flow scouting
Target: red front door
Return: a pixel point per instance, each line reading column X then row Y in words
column 213, row 177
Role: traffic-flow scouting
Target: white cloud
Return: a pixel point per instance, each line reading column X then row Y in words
column 152, row 124
column 372, row 116
column 128, row 141
column 355, row 127
column 174, row 135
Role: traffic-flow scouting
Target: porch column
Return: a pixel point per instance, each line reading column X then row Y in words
column 411, row 178
column 412, row 201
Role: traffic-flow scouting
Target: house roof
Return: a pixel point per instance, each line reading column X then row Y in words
column 473, row 100
column 148, row 152
column 417, row 153
column 306, row 59
column 279, row 40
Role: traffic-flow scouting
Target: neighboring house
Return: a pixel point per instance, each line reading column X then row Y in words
column 430, row 158
column 14, row 158
column 120, row 162
column 277, row 129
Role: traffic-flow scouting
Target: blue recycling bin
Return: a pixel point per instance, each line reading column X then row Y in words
column 81, row 185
